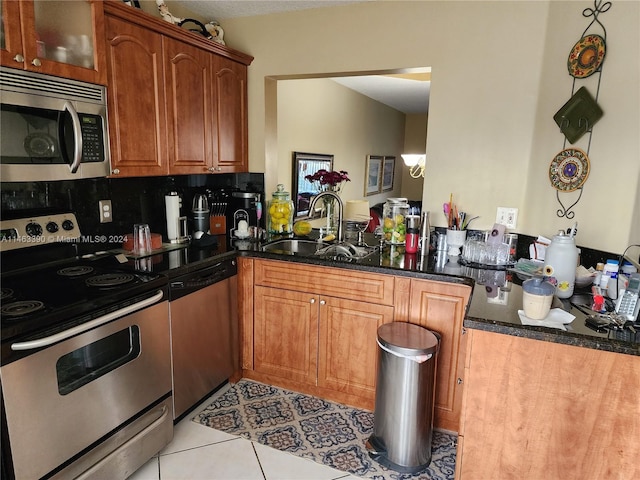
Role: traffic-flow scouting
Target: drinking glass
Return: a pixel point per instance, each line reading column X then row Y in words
column 141, row 239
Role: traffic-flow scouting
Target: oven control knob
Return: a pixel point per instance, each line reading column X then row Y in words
column 67, row 225
column 33, row 229
column 52, row 227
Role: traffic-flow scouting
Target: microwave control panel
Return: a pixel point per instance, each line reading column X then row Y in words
column 92, row 138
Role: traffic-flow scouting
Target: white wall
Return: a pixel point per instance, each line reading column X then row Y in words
column 498, row 76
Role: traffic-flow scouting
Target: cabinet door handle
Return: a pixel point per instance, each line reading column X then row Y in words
column 313, row 300
column 19, row 58
column 36, row 62
column 322, row 302
column 116, row 171
column 211, row 169
column 459, row 381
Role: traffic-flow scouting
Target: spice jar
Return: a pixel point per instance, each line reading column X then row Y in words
column 280, row 212
column 394, row 214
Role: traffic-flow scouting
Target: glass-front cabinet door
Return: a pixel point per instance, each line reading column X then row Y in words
column 59, row 37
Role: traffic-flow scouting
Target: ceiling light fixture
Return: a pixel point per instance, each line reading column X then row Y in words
column 416, row 163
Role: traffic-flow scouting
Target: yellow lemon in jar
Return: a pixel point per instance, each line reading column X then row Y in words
column 399, row 219
column 388, row 224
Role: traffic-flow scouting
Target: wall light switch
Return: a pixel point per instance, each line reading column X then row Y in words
column 507, row 217
column 106, row 215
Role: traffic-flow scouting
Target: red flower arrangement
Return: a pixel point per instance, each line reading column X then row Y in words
column 325, row 180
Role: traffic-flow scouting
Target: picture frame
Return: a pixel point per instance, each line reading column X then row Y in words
column 373, row 175
column 388, row 171
column 303, row 191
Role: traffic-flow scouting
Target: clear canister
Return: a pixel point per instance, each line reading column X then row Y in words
column 280, row 212
column 394, row 226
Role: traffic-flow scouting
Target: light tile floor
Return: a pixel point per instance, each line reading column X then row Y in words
column 198, row 452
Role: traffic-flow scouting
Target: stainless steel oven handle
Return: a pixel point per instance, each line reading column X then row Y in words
column 50, row 340
column 77, row 136
column 87, row 474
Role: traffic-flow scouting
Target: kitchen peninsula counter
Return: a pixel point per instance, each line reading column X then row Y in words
column 483, row 313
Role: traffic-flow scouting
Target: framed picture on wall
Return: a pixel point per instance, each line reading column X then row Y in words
column 373, row 176
column 306, row 164
column 388, row 169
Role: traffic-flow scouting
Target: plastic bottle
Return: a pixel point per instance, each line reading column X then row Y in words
column 611, row 268
column 561, row 260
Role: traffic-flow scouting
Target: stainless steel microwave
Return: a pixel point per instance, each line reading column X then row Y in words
column 51, row 128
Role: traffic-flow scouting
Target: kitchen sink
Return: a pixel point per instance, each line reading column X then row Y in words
column 294, row 246
column 308, row 248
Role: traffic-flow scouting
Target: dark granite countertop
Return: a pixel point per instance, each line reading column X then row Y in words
column 494, row 305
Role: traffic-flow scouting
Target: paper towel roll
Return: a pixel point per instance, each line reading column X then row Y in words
column 172, row 207
column 356, row 210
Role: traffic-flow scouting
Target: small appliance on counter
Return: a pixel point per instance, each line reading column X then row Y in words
column 243, row 206
column 176, row 224
column 200, row 211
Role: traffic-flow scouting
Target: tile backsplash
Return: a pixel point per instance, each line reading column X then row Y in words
column 134, row 200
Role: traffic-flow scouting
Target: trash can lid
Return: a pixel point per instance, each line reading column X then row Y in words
column 407, row 339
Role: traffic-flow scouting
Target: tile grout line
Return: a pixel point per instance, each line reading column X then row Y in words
column 258, row 459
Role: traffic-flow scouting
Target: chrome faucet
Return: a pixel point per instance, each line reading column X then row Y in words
column 340, row 209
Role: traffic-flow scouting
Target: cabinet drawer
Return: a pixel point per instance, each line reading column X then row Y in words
column 336, row 282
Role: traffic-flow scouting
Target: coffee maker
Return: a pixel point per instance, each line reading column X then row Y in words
column 243, row 206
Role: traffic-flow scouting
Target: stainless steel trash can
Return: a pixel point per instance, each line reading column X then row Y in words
column 405, row 392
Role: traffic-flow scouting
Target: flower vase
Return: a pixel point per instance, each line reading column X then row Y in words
column 329, row 212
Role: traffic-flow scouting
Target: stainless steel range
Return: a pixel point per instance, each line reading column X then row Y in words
column 85, row 374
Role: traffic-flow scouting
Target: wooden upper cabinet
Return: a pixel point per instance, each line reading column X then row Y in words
column 136, row 103
column 60, row 38
column 230, row 99
column 189, row 108
column 181, row 98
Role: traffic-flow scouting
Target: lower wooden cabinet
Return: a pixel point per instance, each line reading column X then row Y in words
column 314, row 329
column 347, row 349
column 440, row 307
column 285, row 332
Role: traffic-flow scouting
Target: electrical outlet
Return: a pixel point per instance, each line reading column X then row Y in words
column 507, row 217
column 106, row 214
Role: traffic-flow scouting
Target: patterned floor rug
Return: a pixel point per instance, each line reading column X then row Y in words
column 327, row 433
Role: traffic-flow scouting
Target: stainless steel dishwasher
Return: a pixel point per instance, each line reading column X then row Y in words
column 204, row 333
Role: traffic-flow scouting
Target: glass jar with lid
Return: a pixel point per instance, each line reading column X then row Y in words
column 394, row 213
column 280, row 213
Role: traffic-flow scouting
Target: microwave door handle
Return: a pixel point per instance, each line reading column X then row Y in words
column 77, row 136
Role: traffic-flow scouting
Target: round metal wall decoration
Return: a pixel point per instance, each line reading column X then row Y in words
column 586, row 56
column 569, row 170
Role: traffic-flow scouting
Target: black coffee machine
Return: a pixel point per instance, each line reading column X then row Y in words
column 244, row 206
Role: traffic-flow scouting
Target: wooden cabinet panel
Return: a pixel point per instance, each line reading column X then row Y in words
column 440, row 307
column 136, row 102
column 21, row 34
column 230, row 105
column 11, row 51
column 189, row 107
column 538, row 409
column 285, row 334
column 333, row 282
column 348, row 350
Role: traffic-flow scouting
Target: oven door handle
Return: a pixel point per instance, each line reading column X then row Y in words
column 50, row 340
